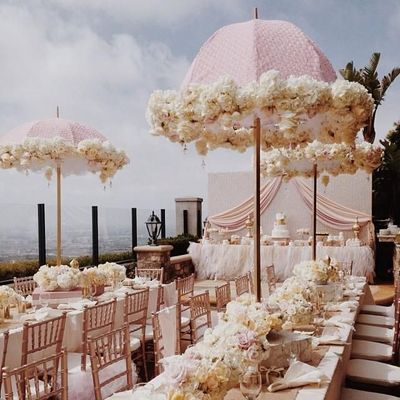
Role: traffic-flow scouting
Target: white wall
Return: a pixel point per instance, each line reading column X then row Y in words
column 226, row 190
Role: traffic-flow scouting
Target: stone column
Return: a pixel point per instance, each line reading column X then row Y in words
column 153, row 256
column 193, row 206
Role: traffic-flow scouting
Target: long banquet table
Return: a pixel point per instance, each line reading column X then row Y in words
column 73, row 328
column 333, row 364
column 230, row 261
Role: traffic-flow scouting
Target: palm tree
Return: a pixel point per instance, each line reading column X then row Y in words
column 368, row 77
column 386, row 179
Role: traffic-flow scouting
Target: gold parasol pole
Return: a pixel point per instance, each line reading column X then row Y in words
column 58, row 215
column 257, row 216
column 314, row 242
column 58, row 221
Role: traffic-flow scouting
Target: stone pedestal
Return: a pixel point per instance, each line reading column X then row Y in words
column 153, row 256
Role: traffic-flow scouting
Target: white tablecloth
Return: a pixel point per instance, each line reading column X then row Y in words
column 73, row 328
column 230, row 261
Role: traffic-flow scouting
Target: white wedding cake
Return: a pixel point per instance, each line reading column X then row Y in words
column 280, row 229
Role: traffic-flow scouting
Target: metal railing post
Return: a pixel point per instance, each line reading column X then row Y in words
column 41, row 234
column 95, row 236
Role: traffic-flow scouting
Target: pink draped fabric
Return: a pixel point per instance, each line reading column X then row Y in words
column 234, row 219
column 329, row 213
column 333, row 214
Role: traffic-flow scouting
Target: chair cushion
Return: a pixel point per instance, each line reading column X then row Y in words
column 373, row 333
column 353, row 394
column 74, row 361
column 185, row 321
column 148, row 333
column 371, row 350
column 378, row 310
column 377, row 320
column 373, row 372
column 134, row 343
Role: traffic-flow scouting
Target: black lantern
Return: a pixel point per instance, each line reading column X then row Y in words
column 153, row 225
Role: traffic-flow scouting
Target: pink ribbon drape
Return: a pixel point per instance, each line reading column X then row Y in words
column 329, row 213
column 235, row 218
column 332, row 214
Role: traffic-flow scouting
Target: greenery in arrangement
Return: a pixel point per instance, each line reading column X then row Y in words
column 368, row 77
column 180, row 243
column 26, row 268
column 386, row 179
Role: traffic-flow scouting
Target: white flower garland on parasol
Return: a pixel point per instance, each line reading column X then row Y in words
column 334, row 159
column 37, row 154
column 292, row 111
column 65, row 146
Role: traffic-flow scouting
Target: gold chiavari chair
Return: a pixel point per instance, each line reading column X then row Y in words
column 222, row 296
column 382, row 330
column 96, row 320
column 251, row 282
column 200, row 316
column 384, row 321
column 242, row 284
column 4, row 355
column 185, row 289
column 110, row 358
column 370, row 370
column 271, row 278
column 150, row 273
column 24, row 286
column 385, row 311
column 376, row 351
column 135, row 317
column 42, row 336
column 160, row 331
column 39, row 380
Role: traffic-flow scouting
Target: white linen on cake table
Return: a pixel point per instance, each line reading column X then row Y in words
column 229, row 261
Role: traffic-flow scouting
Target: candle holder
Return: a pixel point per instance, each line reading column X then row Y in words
column 356, row 229
column 249, row 226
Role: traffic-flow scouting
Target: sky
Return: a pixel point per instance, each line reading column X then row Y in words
column 99, row 61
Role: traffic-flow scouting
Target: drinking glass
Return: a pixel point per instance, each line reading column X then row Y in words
column 250, row 384
column 44, row 299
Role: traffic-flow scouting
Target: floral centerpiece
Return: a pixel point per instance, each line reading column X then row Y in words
column 8, row 296
column 115, row 273
column 92, row 281
column 293, row 300
column 313, row 271
column 60, row 277
column 213, row 366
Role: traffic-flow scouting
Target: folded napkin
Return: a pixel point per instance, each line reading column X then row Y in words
column 340, row 321
column 326, row 340
column 76, row 305
column 146, row 282
column 343, row 306
column 118, row 293
column 352, row 292
column 40, row 315
column 299, row 374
